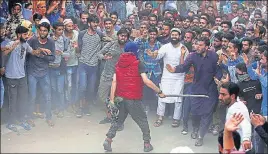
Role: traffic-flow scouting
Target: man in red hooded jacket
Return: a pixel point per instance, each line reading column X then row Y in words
column 128, row 84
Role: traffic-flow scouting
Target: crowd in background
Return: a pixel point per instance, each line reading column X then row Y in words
column 59, row 56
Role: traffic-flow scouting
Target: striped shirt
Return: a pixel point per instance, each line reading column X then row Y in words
column 90, row 49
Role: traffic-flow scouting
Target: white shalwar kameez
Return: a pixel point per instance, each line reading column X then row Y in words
column 171, row 83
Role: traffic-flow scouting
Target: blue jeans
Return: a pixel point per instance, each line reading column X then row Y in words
column 186, row 106
column 87, row 79
column 57, row 87
column 72, row 84
column 2, row 89
column 44, row 82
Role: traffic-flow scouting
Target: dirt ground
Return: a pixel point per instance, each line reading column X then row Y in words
column 86, row 135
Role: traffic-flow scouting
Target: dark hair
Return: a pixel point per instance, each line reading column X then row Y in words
column 58, row 24
column 262, row 30
column 236, row 43
column 170, row 25
column 247, row 12
column 124, row 30
column 205, row 40
column 127, row 20
column 265, row 53
column 218, row 17
column 228, row 36
column 205, row 14
column 153, row 15
column 148, row 3
column 44, row 24
column 99, row 4
column 192, row 32
column 93, row 18
column 262, row 20
column 114, row 13
column 37, row 16
column 257, row 13
column 21, row 30
column 218, row 36
column 90, row 4
column 229, row 23
column 236, row 138
column 152, row 29
column 107, row 19
column 204, row 19
column 26, row 5
column 143, row 13
column 233, row 88
column 249, row 40
column 262, row 48
column 83, row 12
column 189, row 18
column 242, row 67
column 206, row 30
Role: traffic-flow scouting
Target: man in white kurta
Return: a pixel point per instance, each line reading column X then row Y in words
column 172, row 53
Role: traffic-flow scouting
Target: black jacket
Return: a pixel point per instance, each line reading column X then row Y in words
column 263, row 132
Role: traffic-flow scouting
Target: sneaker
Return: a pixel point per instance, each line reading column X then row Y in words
column 60, row 114
column 25, row 125
column 194, row 135
column 215, row 130
column 210, row 129
column 105, row 120
column 184, row 131
column 121, row 128
column 148, row 147
column 86, row 112
column 199, row 142
column 12, row 127
column 79, row 113
column 107, row 145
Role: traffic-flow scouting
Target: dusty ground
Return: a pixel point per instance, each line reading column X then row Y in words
column 85, row 135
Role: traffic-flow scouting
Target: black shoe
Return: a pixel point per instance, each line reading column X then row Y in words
column 194, row 135
column 107, row 145
column 105, row 120
column 184, row 130
column 120, row 128
column 199, row 142
column 148, row 147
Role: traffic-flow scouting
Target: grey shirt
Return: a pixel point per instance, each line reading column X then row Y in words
column 59, row 45
column 15, row 67
column 90, row 49
column 109, row 67
column 38, row 66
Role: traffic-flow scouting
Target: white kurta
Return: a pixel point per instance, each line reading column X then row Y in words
column 171, row 83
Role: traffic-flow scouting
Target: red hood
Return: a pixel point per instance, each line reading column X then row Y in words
column 126, row 59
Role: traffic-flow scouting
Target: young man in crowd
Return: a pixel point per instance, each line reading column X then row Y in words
column 38, row 71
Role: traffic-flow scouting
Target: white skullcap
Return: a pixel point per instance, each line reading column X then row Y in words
column 44, row 20
column 67, row 21
column 182, row 149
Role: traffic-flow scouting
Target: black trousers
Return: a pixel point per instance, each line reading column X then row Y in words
column 135, row 109
column 17, row 97
column 201, row 123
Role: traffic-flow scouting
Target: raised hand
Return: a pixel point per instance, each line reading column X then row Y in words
column 170, row 68
column 232, row 124
column 256, row 119
column 183, row 50
column 245, row 58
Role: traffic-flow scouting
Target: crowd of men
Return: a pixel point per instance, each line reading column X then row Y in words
column 60, row 55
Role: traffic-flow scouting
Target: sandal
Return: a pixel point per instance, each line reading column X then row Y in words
column 176, row 123
column 158, row 122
